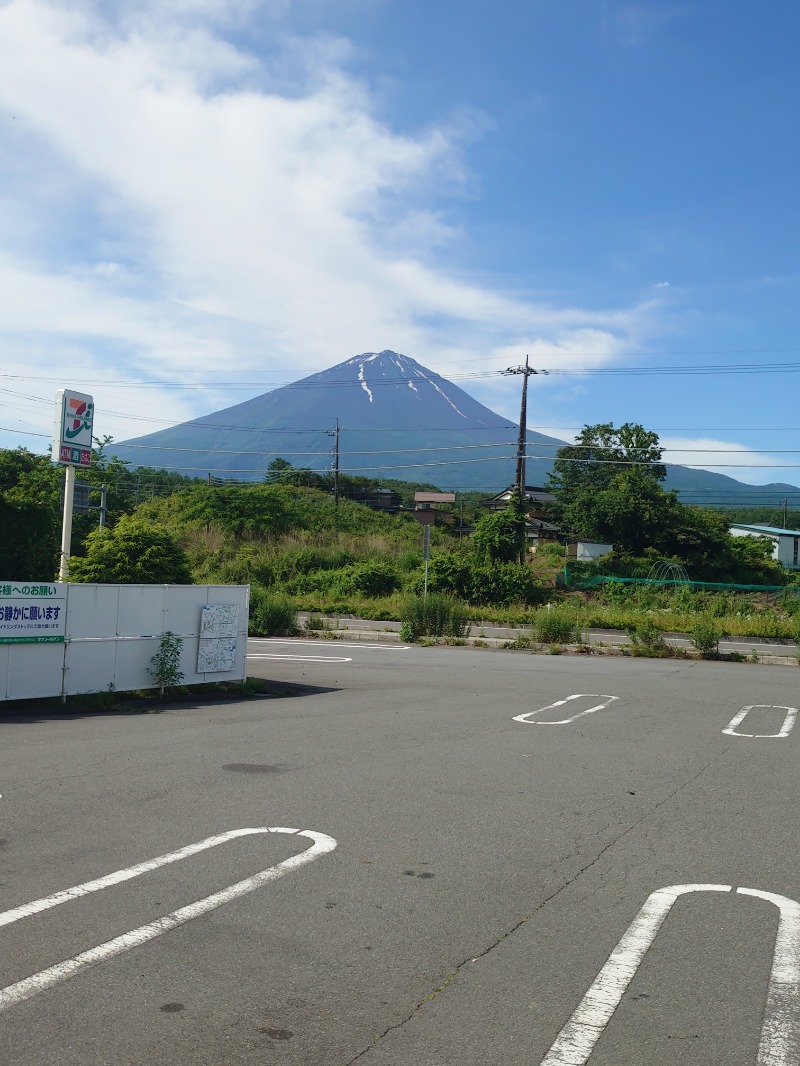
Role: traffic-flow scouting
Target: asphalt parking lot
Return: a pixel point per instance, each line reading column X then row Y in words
column 475, row 857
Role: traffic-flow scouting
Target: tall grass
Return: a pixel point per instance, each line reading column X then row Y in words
column 272, row 614
column 554, row 627
column 437, row 616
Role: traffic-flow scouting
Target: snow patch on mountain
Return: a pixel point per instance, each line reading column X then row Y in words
column 441, row 392
column 364, row 385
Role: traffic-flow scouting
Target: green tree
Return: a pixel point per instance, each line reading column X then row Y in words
column 277, row 470
column 608, row 487
column 599, row 454
column 500, row 536
column 30, row 515
column 133, row 552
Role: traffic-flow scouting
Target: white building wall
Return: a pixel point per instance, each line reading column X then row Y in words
column 751, row 533
column 586, row 551
column 783, row 546
column 112, row 633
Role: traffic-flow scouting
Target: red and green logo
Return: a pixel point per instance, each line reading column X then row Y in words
column 78, row 417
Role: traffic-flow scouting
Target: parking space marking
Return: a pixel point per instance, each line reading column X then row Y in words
column 560, row 703
column 339, row 644
column 38, row 982
column 304, row 658
column 780, row 1031
column 739, row 717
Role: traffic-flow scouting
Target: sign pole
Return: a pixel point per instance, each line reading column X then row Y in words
column 73, row 419
column 426, row 553
column 66, row 525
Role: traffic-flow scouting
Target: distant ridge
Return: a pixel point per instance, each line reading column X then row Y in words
column 399, row 420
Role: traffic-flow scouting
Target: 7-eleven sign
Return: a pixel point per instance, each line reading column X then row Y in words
column 72, row 428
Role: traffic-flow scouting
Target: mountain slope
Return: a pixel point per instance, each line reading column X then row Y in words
column 398, row 420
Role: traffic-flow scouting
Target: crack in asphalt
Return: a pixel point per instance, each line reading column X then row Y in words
column 451, row 977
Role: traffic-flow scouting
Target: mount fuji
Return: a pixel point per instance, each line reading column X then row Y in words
column 397, row 420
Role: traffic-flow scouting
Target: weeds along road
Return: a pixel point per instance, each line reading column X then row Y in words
column 504, row 858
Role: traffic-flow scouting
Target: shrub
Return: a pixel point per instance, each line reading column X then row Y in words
column 438, row 616
column 133, row 552
column 481, row 583
column 165, row 666
column 448, row 573
column 307, row 560
column 554, row 627
column 271, row 613
column 371, row 578
column 502, row 583
column 408, row 560
column 646, row 635
column 706, row 637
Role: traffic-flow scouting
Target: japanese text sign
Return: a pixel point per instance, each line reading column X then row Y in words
column 32, row 613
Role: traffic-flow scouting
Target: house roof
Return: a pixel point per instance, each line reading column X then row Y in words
column 434, row 497
column 768, row 531
column 530, row 490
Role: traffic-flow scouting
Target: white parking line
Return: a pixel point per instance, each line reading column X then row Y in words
column 305, row 658
column 560, row 703
column 38, row 982
column 339, row 643
column 739, row 717
column 780, row 1031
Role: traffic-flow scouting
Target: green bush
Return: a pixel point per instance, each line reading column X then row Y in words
column 706, row 637
column 438, row 616
column 480, row 583
column 165, row 666
column 375, row 577
column 271, row 613
column 133, row 552
column 554, row 627
column 447, row 573
column 307, row 560
column 408, row 560
column 646, row 635
column 502, row 583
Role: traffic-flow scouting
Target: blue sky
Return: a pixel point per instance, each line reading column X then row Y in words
column 202, row 199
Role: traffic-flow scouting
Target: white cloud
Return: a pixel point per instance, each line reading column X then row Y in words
column 754, row 468
column 237, row 210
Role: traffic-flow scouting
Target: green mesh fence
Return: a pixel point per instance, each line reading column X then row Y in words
column 585, row 581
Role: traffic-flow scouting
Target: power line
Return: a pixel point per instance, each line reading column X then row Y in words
column 398, row 450
column 722, row 369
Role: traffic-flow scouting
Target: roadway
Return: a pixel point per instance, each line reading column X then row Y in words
column 484, row 829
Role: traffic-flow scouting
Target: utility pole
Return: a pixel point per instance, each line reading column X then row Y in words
column 335, row 434
column 785, row 511
column 526, row 371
